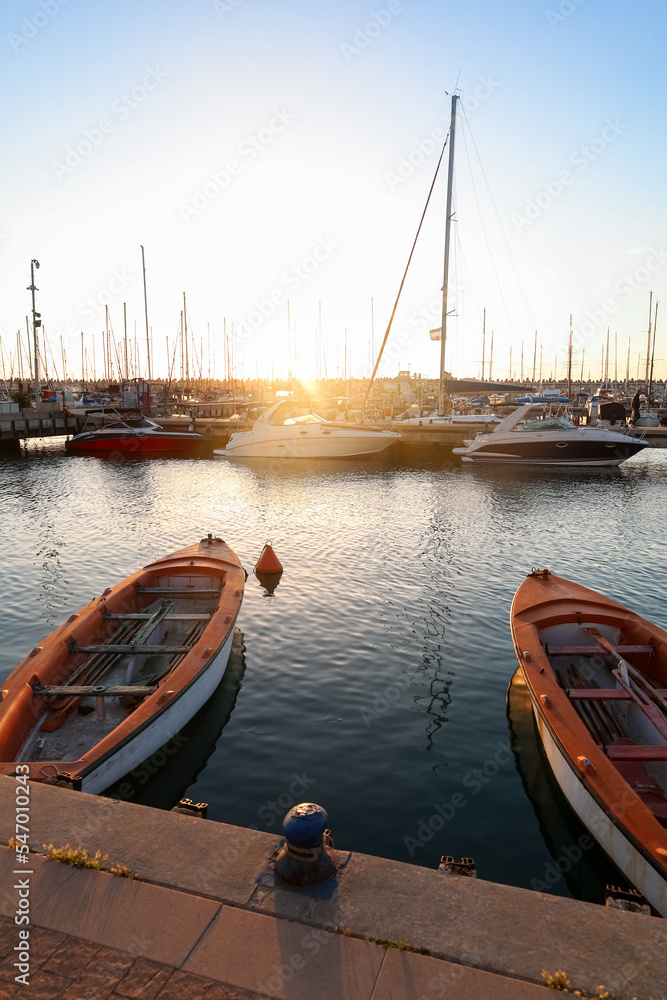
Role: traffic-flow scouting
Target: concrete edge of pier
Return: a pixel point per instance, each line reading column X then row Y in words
column 208, row 905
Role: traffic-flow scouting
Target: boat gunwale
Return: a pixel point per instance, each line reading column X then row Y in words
column 603, row 781
column 193, row 560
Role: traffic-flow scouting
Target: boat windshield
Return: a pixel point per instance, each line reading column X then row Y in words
column 294, row 415
column 550, row 424
column 307, row 418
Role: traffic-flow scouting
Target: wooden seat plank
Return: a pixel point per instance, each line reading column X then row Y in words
column 141, row 616
column 98, row 691
column 638, row 752
column 129, row 648
column 604, row 694
column 180, row 591
column 595, row 650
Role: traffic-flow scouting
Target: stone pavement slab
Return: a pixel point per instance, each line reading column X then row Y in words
column 406, row 976
column 496, row 928
column 477, row 924
column 45, row 879
column 210, row 859
column 285, row 960
column 144, row 920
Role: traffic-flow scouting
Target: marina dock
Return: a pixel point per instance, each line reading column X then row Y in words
column 17, row 427
column 207, row 918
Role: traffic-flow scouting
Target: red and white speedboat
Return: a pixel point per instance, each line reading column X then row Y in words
column 122, row 676
column 597, row 677
column 132, row 435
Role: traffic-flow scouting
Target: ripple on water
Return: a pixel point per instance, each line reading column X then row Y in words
column 376, row 675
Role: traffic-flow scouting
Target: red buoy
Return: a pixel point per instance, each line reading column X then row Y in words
column 268, row 562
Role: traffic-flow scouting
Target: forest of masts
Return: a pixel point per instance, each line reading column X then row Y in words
column 108, row 360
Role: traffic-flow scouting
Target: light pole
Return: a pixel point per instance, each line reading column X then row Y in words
column 36, row 322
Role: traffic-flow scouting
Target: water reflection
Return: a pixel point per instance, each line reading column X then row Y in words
column 583, row 864
column 438, row 678
column 162, row 780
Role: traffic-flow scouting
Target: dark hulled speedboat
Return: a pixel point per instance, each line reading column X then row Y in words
column 551, row 441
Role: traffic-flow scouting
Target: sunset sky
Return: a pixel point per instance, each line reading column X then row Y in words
column 271, row 152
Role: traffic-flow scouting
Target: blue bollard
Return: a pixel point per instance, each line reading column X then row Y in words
column 305, row 859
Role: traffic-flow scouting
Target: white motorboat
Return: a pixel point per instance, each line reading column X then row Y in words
column 290, row 429
column 452, row 418
column 550, row 441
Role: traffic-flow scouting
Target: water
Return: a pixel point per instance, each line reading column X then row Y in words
column 374, row 680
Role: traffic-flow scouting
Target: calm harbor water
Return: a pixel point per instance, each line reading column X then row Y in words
column 374, row 680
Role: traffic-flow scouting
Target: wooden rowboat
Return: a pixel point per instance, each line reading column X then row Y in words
column 124, row 675
column 597, row 677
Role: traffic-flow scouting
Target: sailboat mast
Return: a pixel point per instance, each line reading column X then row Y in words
column 148, row 341
column 569, row 362
column 185, row 334
column 650, row 377
column 648, row 349
column 127, row 370
column 606, row 364
column 448, row 226
column 483, row 341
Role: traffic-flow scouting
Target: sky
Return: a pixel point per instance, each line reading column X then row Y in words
column 274, row 160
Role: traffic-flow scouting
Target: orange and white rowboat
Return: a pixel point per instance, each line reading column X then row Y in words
column 597, row 676
column 126, row 673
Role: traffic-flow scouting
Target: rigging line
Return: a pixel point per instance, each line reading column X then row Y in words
column 503, row 234
column 486, row 240
column 405, row 273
